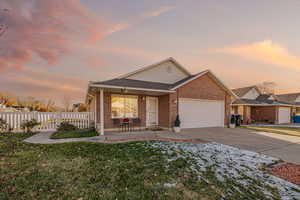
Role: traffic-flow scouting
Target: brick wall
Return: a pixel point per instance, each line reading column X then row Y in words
column 205, row 87
column 163, row 111
column 108, row 123
column 264, row 114
column 173, row 108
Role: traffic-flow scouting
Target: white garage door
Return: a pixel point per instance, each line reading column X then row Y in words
column 201, row 113
column 284, row 115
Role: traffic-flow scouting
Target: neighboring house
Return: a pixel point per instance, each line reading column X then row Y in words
column 291, row 98
column 157, row 93
column 256, row 107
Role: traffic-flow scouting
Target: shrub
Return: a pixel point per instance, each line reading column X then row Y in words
column 232, row 119
column 66, row 126
column 177, row 121
column 28, row 125
column 3, row 125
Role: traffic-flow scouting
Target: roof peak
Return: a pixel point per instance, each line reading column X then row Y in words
column 169, row 59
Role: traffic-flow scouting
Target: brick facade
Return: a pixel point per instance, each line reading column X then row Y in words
column 204, row 87
column 268, row 114
column 163, row 111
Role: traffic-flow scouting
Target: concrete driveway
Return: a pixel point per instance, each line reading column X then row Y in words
column 284, row 147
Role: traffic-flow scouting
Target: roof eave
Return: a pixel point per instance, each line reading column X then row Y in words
column 130, row 88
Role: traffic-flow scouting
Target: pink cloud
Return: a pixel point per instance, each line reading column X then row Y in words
column 265, row 51
column 44, row 85
column 47, row 29
column 159, row 11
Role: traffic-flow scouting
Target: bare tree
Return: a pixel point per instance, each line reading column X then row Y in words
column 267, row 87
column 66, row 102
column 3, row 26
column 4, row 100
column 49, row 104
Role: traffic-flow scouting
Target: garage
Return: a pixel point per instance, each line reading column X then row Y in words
column 198, row 113
column 284, row 115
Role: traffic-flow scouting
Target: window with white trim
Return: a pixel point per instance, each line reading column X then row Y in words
column 124, row 106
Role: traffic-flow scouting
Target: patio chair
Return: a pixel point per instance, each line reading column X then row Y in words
column 126, row 124
column 136, row 122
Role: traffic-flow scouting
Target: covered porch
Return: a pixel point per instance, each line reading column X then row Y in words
column 257, row 114
column 118, row 109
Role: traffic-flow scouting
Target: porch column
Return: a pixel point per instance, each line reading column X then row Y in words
column 101, row 112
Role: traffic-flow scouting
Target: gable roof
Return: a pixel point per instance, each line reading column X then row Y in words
column 255, row 102
column 138, row 84
column 155, row 86
column 240, row 92
column 178, row 65
column 262, row 99
column 289, row 98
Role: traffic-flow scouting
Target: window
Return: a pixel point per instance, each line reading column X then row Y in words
column 123, row 106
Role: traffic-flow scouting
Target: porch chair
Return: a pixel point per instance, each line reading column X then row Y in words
column 126, row 123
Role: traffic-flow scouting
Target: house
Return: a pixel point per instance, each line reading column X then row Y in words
column 291, row 98
column 256, row 107
column 157, row 93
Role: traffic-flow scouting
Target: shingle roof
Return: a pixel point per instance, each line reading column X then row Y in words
column 257, row 102
column 135, row 84
column 263, row 97
column 123, row 82
column 289, row 98
column 242, row 91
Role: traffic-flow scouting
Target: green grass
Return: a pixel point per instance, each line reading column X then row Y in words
column 274, row 129
column 74, row 134
column 83, row 170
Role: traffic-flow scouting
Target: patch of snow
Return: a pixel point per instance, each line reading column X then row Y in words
column 169, row 185
column 242, row 166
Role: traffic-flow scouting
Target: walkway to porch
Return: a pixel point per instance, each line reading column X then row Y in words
column 117, row 137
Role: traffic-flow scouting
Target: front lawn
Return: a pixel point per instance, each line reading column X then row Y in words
column 136, row 170
column 73, row 134
column 275, row 129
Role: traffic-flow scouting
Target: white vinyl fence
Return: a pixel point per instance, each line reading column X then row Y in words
column 49, row 120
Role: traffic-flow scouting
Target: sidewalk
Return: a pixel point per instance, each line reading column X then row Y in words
column 44, row 137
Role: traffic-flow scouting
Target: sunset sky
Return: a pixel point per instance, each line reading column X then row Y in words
column 53, row 48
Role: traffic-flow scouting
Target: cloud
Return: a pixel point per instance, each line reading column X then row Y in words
column 265, row 51
column 30, row 81
column 47, row 29
column 117, row 28
column 154, row 13
column 159, row 11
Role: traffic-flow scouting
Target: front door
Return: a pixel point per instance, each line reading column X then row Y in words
column 151, row 111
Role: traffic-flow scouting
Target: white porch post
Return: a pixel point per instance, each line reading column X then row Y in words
column 101, row 112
